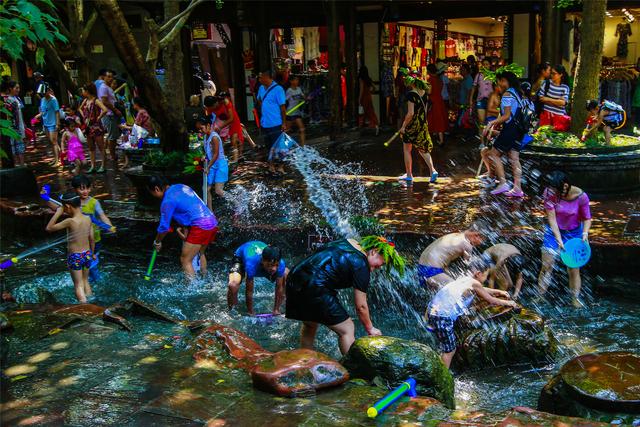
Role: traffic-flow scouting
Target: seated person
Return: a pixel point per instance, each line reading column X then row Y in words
column 607, row 114
column 507, row 272
column 453, row 301
column 434, row 260
column 256, row 259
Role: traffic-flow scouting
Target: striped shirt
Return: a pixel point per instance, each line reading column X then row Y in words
column 555, row 92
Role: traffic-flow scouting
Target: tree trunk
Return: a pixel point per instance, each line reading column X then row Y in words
column 66, row 82
column 335, row 120
column 352, row 67
column 172, row 59
column 172, row 132
column 551, row 28
column 587, row 77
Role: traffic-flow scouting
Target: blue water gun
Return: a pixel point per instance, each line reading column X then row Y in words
column 46, row 196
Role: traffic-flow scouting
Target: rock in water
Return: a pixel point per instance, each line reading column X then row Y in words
column 603, row 386
column 395, row 360
column 300, row 372
column 5, row 324
column 229, row 346
column 505, row 339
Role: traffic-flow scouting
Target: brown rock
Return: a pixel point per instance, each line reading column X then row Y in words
column 292, row 373
column 218, row 342
column 88, row 310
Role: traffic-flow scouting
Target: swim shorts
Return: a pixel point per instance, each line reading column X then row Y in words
column 50, row 128
column 219, row 172
column 314, row 304
column 481, row 104
column 443, row 329
column 198, row 236
column 79, row 260
column 237, row 266
column 549, row 243
column 426, row 271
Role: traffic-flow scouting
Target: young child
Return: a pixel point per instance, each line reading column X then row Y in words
column 80, row 242
column 509, row 267
column 435, row 259
column 294, row 97
column 608, row 115
column 71, row 143
column 217, row 166
column 453, row 301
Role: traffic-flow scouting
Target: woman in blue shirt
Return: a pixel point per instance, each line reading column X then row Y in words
column 50, row 113
column 509, row 139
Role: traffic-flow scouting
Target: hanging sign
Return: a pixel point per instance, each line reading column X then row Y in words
column 199, row 31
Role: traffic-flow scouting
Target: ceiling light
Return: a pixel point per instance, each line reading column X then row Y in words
column 624, row 10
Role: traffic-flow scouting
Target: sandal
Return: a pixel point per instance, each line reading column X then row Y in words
column 405, row 178
column 512, row 193
column 501, row 189
column 434, row 177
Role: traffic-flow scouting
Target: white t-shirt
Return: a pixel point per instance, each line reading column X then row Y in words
column 209, row 89
column 294, row 97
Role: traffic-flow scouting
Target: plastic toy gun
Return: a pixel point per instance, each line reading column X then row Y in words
column 46, row 196
column 408, row 387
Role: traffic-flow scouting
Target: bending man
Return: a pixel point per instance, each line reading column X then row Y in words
column 312, row 287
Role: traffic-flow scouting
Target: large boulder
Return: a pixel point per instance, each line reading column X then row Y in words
column 229, row 347
column 501, row 337
column 395, row 360
column 603, row 386
column 300, row 372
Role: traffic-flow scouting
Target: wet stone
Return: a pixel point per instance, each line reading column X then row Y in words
column 395, row 359
column 292, row 373
column 228, row 346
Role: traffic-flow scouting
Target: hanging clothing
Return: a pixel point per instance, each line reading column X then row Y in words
column 298, row 34
column 311, row 43
column 623, row 30
column 437, row 117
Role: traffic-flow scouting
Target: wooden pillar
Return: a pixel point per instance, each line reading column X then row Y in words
column 352, row 65
column 335, row 95
column 263, row 52
column 551, row 31
column 239, row 81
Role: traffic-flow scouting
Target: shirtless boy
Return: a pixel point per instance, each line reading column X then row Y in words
column 435, row 259
column 507, row 272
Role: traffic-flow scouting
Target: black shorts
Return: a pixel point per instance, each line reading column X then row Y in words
column 237, row 266
column 317, row 304
column 510, row 138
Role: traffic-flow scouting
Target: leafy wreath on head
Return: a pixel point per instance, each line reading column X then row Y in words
column 412, row 78
column 512, row 68
column 387, row 249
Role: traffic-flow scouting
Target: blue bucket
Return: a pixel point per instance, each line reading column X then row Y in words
column 153, row 141
column 576, row 253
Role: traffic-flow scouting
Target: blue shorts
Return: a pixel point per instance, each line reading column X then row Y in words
column 481, row 104
column 79, row 260
column 219, row 172
column 549, row 241
column 443, row 329
column 489, row 119
column 426, row 271
column 50, row 128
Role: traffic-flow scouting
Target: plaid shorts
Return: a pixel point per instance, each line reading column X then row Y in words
column 443, row 328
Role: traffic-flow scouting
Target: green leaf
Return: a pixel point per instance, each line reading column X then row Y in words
column 40, row 56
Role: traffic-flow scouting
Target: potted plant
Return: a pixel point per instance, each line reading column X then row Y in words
column 157, row 161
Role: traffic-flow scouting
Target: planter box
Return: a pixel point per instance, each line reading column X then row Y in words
column 139, row 177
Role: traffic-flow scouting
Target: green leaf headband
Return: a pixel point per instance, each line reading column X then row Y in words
column 412, row 79
column 387, row 249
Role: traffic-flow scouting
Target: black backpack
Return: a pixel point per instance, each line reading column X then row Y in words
column 525, row 117
column 539, row 106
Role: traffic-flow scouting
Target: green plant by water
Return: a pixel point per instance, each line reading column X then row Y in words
column 546, row 136
column 172, row 160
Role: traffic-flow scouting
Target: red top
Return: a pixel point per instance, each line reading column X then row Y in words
column 224, row 111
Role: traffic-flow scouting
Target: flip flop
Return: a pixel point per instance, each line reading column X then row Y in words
column 512, row 193
column 501, row 189
column 406, row 178
column 434, row 177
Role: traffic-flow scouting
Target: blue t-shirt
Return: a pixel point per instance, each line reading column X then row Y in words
column 509, row 100
column 208, row 148
column 271, row 103
column 183, row 205
column 251, row 255
column 98, row 83
column 49, row 108
column 465, row 88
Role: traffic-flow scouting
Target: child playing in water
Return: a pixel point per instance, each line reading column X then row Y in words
column 71, row 143
column 507, row 272
column 453, row 300
column 608, row 115
column 217, row 166
column 434, row 260
column 80, row 242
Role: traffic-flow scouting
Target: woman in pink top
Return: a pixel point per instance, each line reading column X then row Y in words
column 569, row 217
column 483, row 88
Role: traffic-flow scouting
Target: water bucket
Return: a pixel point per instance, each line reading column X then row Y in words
column 576, row 253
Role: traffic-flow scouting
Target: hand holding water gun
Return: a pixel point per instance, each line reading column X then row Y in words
column 45, row 194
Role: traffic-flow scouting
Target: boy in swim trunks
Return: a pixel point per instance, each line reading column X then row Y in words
column 509, row 264
column 80, row 242
column 256, row 259
column 453, row 301
column 434, row 260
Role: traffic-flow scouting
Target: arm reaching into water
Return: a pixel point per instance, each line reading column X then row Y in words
column 362, row 308
column 486, row 294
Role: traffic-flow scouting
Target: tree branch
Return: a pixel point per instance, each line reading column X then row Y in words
column 182, row 16
column 154, row 46
column 84, row 35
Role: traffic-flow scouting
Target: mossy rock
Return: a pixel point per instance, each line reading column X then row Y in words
column 501, row 340
column 395, row 360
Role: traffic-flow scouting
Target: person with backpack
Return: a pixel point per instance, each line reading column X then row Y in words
column 606, row 114
column 515, row 117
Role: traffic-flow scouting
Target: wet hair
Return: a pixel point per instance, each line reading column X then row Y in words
column 271, row 254
column 79, row 181
column 70, row 199
column 7, row 84
column 480, row 264
column 157, row 181
column 541, row 67
column 91, row 88
column 514, row 82
column 209, row 101
column 515, row 266
column 591, row 104
column 563, row 73
column 557, row 180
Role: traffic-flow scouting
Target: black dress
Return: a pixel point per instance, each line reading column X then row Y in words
column 312, row 284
